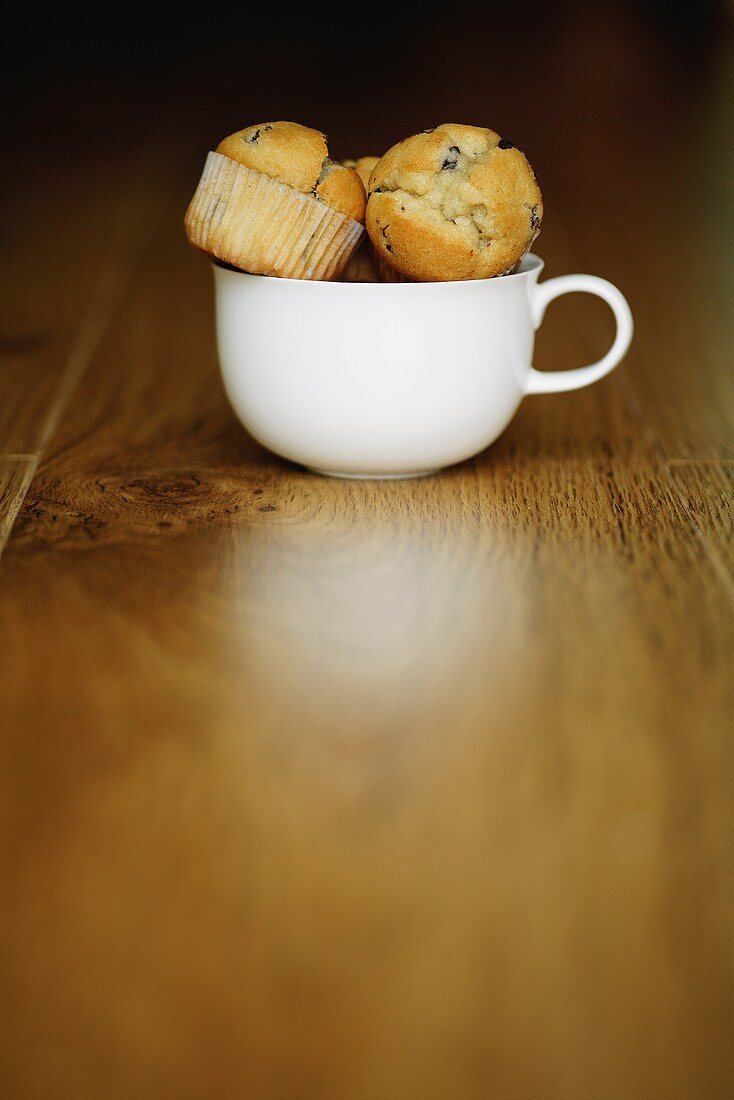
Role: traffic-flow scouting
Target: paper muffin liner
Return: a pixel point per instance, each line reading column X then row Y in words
column 258, row 224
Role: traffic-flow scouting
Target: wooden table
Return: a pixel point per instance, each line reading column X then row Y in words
column 328, row 789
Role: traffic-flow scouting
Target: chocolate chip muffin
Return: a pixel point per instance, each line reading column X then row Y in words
column 457, row 202
column 272, row 201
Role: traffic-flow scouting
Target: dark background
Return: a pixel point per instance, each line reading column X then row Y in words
column 74, row 80
column 625, row 109
column 621, row 107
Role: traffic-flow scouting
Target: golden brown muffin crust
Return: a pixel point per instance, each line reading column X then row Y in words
column 456, row 202
column 286, row 151
column 342, row 189
column 299, row 157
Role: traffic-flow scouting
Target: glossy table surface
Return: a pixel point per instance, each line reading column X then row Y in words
column 360, row 789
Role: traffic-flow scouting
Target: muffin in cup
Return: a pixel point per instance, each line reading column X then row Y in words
column 456, row 202
column 271, row 201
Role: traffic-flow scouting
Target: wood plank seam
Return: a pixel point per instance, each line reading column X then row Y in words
column 109, row 294
column 12, row 505
column 91, row 331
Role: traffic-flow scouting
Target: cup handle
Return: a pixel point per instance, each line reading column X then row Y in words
column 556, row 381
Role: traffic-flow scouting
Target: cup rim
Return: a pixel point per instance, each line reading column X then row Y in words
column 529, row 264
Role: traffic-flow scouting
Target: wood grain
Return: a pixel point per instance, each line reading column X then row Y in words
column 707, row 492
column 412, row 789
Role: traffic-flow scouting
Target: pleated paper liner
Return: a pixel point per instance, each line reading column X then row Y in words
column 258, row 224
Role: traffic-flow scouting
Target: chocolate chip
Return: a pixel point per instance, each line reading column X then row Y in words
column 383, row 230
column 451, row 160
column 253, row 140
column 506, row 144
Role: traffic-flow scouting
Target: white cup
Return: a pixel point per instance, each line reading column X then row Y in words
column 384, row 380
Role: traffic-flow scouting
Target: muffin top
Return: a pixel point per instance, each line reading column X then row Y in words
column 457, row 202
column 299, row 157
